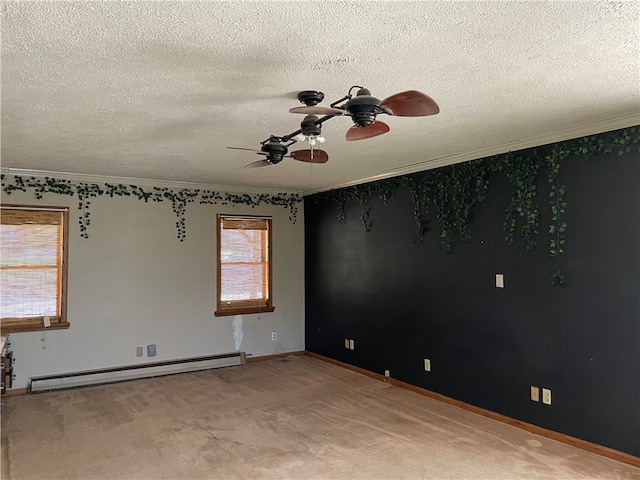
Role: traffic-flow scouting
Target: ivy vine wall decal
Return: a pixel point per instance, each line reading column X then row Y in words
column 179, row 199
column 455, row 191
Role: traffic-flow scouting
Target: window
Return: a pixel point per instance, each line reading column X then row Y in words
column 33, row 267
column 244, row 265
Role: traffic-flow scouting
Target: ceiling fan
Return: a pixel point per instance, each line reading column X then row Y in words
column 363, row 109
column 275, row 149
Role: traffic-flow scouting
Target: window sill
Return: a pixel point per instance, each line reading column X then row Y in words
column 243, row 311
column 12, row 326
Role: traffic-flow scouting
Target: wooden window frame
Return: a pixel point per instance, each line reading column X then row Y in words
column 243, row 307
column 59, row 322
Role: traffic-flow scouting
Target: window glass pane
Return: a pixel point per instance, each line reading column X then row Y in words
column 242, row 282
column 241, row 246
column 29, row 245
column 29, row 292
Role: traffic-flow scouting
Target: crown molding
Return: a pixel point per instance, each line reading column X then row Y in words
column 603, row 126
column 522, row 144
column 142, row 182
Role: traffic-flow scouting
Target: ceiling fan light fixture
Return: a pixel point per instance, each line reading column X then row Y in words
column 313, row 140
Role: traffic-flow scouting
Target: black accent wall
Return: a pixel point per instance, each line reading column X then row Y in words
column 402, row 301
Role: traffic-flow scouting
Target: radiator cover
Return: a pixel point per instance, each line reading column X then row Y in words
column 131, row 372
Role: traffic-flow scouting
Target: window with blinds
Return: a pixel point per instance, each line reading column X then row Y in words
column 32, row 267
column 244, row 265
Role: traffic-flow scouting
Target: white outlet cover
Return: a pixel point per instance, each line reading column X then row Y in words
column 346, row 343
column 427, row 365
column 546, row 396
column 387, row 373
column 499, row 280
column 352, row 345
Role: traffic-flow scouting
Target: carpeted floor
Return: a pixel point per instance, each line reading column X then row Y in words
column 292, row 418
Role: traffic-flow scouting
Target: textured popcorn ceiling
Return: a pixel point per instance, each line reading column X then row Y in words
column 157, row 90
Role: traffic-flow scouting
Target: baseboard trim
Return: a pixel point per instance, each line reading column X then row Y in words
column 12, row 392
column 362, row 371
column 544, row 432
column 265, row 358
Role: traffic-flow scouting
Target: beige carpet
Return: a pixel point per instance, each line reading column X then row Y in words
column 293, row 418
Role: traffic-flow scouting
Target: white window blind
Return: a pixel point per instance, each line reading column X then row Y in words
column 31, row 263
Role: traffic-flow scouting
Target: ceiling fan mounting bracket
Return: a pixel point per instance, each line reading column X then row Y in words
column 310, row 97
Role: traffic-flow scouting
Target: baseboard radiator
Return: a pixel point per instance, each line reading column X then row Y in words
column 132, row 372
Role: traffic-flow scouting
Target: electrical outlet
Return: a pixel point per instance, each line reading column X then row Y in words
column 535, row 393
column 346, row 343
column 139, row 351
column 274, row 335
column 387, row 373
column 427, row 365
column 546, row 396
column 352, row 345
column 499, row 280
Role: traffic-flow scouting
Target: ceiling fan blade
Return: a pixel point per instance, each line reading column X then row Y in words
column 310, row 156
column 259, row 163
column 316, row 110
column 410, row 104
column 361, row 133
column 242, row 148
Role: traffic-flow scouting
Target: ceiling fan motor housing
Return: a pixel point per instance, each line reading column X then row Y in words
column 276, row 151
column 309, row 126
column 363, row 108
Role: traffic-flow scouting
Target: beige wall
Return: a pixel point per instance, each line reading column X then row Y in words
column 132, row 282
